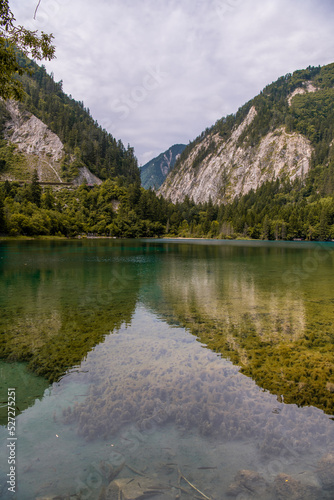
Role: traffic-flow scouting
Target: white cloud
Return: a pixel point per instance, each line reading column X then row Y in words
column 209, row 58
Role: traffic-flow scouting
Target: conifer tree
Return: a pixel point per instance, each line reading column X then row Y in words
column 2, row 217
column 35, row 189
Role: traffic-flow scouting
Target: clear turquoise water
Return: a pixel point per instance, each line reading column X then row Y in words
column 150, row 397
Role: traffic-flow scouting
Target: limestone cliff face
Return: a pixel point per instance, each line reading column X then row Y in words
column 306, row 87
column 41, row 148
column 232, row 169
column 31, row 134
column 85, row 175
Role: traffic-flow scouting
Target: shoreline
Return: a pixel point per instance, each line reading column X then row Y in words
column 153, row 238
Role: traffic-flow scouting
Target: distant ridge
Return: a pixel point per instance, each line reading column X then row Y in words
column 155, row 171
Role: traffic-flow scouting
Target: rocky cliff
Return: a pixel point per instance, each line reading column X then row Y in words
column 232, row 168
column 37, row 147
column 282, row 133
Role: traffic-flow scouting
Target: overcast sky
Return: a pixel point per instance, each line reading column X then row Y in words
column 158, row 72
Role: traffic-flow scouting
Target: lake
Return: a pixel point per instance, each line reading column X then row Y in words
column 168, row 369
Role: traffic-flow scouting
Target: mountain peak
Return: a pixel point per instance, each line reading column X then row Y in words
column 280, row 134
column 154, row 172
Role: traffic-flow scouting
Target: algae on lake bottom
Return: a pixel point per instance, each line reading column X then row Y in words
column 54, row 316
column 282, row 337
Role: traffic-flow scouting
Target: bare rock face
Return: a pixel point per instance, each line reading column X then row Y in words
column 32, row 135
column 42, row 149
column 165, row 165
column 232, row 170
column 85, row 175
column 307, row 87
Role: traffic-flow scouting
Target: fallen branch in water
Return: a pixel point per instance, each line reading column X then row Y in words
column 192, row 485
column 135, row 471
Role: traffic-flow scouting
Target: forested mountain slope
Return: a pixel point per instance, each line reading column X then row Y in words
column 85, row 144
column 28, row 144
column 154, row 172
column 286, row 133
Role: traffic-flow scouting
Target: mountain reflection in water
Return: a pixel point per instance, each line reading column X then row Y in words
column 160, row 336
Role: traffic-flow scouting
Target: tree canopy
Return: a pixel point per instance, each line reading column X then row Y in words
column 17, row 38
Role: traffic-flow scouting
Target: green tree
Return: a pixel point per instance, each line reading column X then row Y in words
column 2, row 217
column 47, row 199
column 13, row 39
column 35, row 189
column 266, row 228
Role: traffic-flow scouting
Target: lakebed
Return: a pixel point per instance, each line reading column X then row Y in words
column 199, row 368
